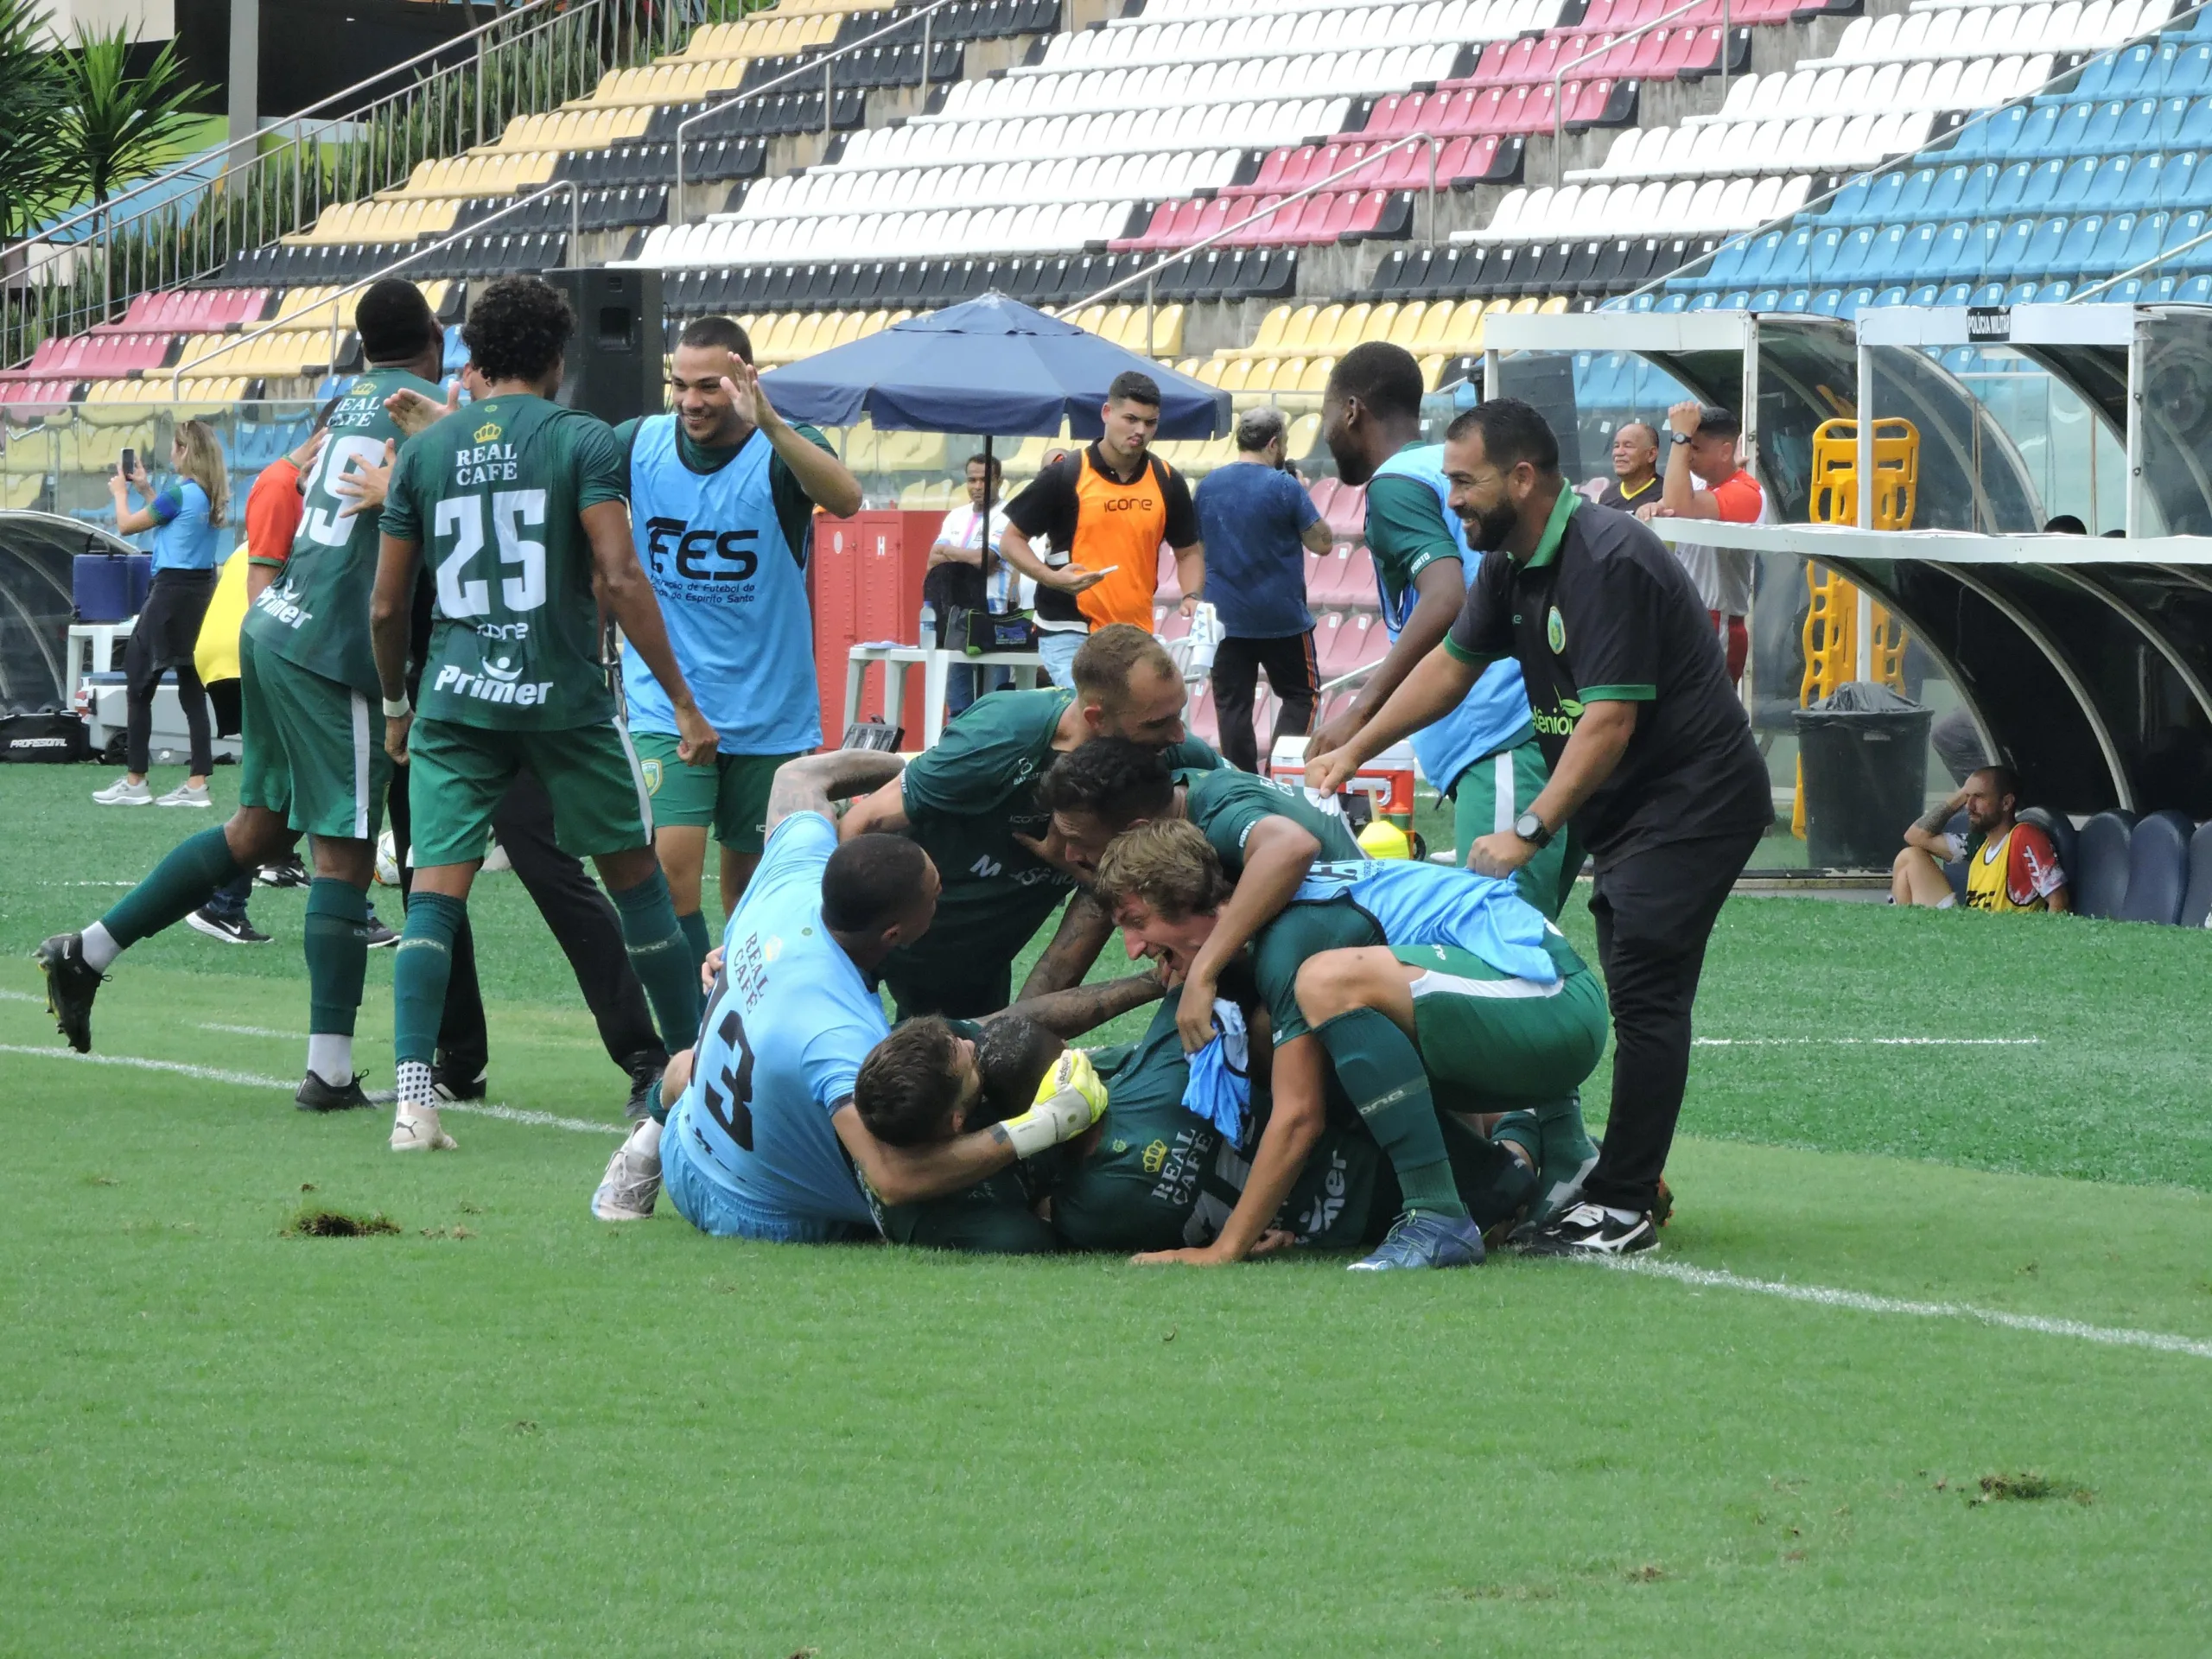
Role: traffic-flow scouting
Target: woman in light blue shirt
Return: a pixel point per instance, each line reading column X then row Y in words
column 185, row 516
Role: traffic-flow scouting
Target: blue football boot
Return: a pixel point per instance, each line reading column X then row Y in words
column 1420, row 1240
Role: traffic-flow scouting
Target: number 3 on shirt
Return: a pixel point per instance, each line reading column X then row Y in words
column 462, row 517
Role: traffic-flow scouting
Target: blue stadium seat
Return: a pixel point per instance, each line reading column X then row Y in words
column 2124, row 293
column 1959, row 359
column 2197, row 899
column 2041, row 256
column 2197, row 290
column 2188, row 71
column 2020, row 294
column 2060, row 829
column 2182, row 229
column 2101, row 887
column 1849, row 204
column 1912, row 196
column 1739, row 301
column 1791, row 263
column 2052, row 293
column 1767, row 299
column 2081, row 242
column 2196, row 126
column 1947, row 256
column 1989, row 293
column 1707, row 301
column 1885, row 255
column 2145, row 240
column 1827, row 302
column 2076, row 184
column 2135, row 128
column 1673, row 303
column 1797, row 299
column 1926, row 294
column 2010, row 188
column 1980, row 249
column 1847, row 264
column 1944, row 192
column 2079, row 129
column 2008, row 259
column 2173, row 115
column 2158, row 869
column 1914, row 251
column 2114, row 77
column 2110, row 189
column 1975, row 192
column 2143, row 181
column 1954, row 293
column 2177, row 178
column 1889, row 297
column 2158, row 290
column 2019, row 131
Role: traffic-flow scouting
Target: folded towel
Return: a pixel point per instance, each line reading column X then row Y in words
column 1220, row 1087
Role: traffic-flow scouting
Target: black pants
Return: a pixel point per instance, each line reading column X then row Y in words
column 583, row 919
column 1655, row 910
column 167, row 630
column 1291, row 670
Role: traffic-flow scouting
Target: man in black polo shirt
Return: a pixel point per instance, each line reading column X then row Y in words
column 1635, row 468
column 1651, row 758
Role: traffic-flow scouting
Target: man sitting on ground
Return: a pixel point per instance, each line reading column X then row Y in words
column 2011, row 865
column 1470, row 984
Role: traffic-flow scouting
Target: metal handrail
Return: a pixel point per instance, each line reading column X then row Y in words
column 1908, row 158
column 678, row 205
column 197, row 162
column 278, row 326
column 1558, row 122
column 545, row 53
column 1150, row 273
column 2151, row 263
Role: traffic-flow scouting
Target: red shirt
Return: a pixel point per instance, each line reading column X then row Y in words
column 273, row 508
column 1739, row 499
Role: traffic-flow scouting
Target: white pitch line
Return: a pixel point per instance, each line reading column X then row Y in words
column 1859, row 1301
column 1865, row 1042
column 245, row 1031
column 256, row 1080
column 20, row 996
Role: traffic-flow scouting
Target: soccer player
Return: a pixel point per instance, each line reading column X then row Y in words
column 1152, row 1175
column 1268, row 836
column 763, row 1140
column 722, row 493
column 311, row 765
column 2011, row 865
column 521, row 504
column 1484, row 754
column 971, row 803
column 1496, row 1003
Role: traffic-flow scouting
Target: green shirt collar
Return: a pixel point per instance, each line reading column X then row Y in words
column 1554, row 529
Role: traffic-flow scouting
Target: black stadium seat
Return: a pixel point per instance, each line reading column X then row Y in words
column 2101, row 888
column 2196, row 899
column 2158, row 869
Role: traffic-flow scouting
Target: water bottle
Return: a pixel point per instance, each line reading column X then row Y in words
column 928, row 640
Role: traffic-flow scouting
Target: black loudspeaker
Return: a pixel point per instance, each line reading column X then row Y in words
column 613, row 366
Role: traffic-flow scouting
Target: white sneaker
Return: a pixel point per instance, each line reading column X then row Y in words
column 416, row 1129
column 186, row 795
column 123, row 793
column 632, row 1183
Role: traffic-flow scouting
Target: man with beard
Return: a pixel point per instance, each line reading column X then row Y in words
column 1651, row 761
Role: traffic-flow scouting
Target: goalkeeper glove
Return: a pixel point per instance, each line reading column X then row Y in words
column 1071, row 1097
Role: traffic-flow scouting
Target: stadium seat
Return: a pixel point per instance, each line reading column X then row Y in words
column 2100, row 886
column 2158, row 869
column 2196, row 899
column 2060, row 829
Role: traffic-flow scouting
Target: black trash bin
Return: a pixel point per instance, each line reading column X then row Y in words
column 1864, row 750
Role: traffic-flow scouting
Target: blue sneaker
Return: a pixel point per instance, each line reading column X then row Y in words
column 1425, row 1241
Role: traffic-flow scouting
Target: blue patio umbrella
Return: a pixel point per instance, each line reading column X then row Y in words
column 989, row 365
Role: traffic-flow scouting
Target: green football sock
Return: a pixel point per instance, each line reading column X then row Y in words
column 338, row 954
column 1564, row 1145
column 1381, row 1070
column 695, row 936
column 662, row 956
column 177, row 885
column 421, row 965
column 1521, row 1130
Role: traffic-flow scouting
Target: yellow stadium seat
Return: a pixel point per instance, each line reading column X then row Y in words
column 1432, row 370
column 1234, row 375
column 1304, row 436
column 1554, row 307
column 1405, row 328
column 1271, row 326
column 1350, row 329
column 1210, row 371
column 18, row 493
column 1263, row 374
column 1315, row 378
column 1298, row 332
column 1166, row 330
column 1380, row 320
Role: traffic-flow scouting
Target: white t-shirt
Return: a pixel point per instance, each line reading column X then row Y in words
column 962, row 528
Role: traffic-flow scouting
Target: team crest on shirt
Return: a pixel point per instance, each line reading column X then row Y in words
column 1155, row 1157
column 651, row 770
column 489, row 432
column 1554, row 631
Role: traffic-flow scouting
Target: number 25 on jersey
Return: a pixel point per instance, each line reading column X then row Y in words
column 522, row 585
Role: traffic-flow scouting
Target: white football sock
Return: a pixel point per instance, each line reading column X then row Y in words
column 1626, row 1217
column 100, row 948
column 645, row 1138
column 414, row 1080
column 330, row 1057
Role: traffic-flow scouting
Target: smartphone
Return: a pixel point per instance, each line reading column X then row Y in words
column 129, row 463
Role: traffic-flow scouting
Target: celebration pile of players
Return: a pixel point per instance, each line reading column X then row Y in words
column 1380, row 1058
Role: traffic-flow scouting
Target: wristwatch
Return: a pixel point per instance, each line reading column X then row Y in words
column 1532, row 830
column 1679, row 437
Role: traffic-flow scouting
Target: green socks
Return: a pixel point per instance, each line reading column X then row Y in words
column 179, row 885
column 338, row 954
column 662, row 955
column 1381, row 1070
column 421, row 965
column 1564, row 1145
column 695, row 934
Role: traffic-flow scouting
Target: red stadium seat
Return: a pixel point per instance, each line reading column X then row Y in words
column 1321, row 492
column 1199, row 712
column 1170, row 585
column 1347, row 512
column 1358, row 585
column 1325, row 579
column 1370, row 640
column 1681, row 45
column 1335, row 645
column 1490, row 69
column 1651, row 51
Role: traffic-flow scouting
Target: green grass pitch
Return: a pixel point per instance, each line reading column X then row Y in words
column 508, row 1429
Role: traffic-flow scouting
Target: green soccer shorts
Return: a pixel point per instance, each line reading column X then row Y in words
column 458, row 774
column 730, row 796
column 1486, row 799
column 312, row 750
column 1504, row 1041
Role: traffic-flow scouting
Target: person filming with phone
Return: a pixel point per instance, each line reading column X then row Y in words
column 185, row 515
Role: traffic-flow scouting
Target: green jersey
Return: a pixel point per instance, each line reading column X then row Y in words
column 967, row 799
column 316, row 614
column 495, row 493
column 1405, row 534
column 1162, row 1178
column 1224, row 804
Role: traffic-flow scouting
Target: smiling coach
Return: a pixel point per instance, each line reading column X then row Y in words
column 1652, row 767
